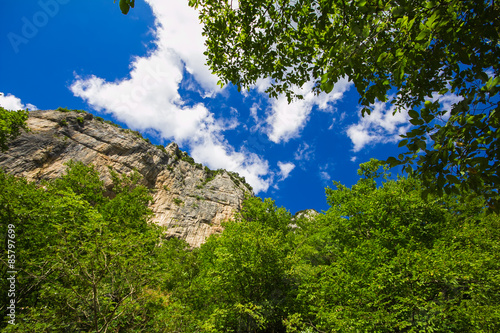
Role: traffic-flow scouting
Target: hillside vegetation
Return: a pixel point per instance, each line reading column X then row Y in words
column 381, row 259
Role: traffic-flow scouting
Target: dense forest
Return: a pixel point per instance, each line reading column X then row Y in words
column 383, row 258
column 413, row 253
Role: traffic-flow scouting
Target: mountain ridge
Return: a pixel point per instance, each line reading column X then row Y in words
column 190, row 200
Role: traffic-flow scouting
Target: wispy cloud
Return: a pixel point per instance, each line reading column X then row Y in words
column 446, row 102
column 304, row 153
column 324, row 174
column 11, row 102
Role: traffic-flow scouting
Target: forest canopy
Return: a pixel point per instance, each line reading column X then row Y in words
column 381, row 259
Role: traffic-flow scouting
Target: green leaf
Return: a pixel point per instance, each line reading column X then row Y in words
column 421, row 144
column 422, row 35
column 326, row 83
column 392, row 161
column 403, row 143
column 452, row 179
column 441, row 181
column 382, row 56
column 413, row 114
column 124, row 6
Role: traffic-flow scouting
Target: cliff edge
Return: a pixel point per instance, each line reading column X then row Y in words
column 189, row 199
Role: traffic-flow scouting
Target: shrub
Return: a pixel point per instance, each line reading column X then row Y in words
column 161, row 148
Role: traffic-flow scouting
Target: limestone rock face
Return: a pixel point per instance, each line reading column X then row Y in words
column 189, row 199
column 305, row 214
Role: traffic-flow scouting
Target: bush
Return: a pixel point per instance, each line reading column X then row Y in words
column 178, row 201
column 160, row 147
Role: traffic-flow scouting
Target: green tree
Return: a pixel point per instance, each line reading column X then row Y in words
column 382, row 259
column 243, row 284
column 11, row 123
column 405, row 52
column 85, row 262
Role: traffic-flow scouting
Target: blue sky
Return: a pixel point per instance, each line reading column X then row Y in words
column 146, row 71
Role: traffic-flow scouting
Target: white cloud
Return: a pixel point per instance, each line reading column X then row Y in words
column 323, row 173
column 218, row 154
column 149, row 98
column 262, row 84
column 258, row 123
column 381, row 126
column 286, row 120
column 285, row 169
column 178, row 29
column 11, row 102
column 324, row 176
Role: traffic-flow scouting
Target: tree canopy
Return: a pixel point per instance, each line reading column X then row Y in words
column 381, row 259
column 411, row 53
column 84, row 261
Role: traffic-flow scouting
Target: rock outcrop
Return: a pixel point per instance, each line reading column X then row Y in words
column 306, row 214
column 189, row 199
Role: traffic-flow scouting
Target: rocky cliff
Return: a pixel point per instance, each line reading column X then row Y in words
column 191, row 200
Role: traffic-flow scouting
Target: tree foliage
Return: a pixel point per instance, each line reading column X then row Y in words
column 85, row 262
column 11, row 123
column 244, row 278
column 381, row 259
column 411, row 53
